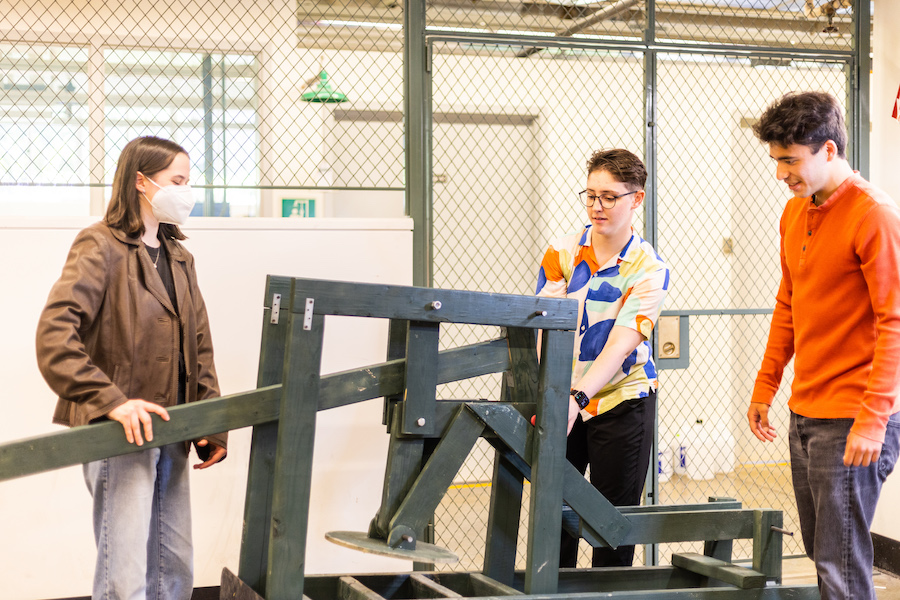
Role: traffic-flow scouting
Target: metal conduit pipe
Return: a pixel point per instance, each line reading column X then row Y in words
column 600, row 15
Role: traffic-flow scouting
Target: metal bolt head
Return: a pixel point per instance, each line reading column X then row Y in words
column 421, row 422
column 436, row 305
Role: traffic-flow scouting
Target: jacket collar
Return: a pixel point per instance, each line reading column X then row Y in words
column 153, row 282
column 174, row 250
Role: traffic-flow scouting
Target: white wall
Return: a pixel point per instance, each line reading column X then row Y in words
column 885, row 153
column 45, row 520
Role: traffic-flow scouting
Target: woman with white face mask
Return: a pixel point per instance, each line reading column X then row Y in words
column 125, row 335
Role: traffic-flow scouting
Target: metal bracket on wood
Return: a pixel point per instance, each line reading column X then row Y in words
column 276, row 309
column 308, row 314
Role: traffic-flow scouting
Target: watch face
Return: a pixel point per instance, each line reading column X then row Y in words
column 581, row 398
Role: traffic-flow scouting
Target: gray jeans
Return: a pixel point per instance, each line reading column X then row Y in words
column 836, row 503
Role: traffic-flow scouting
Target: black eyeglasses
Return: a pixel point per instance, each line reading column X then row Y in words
column 606, row 201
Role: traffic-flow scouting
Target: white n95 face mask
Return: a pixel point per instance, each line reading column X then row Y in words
column 172, row 203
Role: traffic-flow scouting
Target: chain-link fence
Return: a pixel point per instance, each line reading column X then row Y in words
column 505, row 179
column 275, row 101
column 296, row 107
column 504, row 184
column 719, row 208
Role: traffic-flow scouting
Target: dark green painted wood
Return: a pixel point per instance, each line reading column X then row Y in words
column 548, row 456
column 625, row 579
column 253, row 562
column 720, row 549
column 232, row 588
column 680, row 526
column 438, row 473
column 522, row 379
column 386, row 379
column 416, row 304
column 623, row 583
column 501, row 539
column 718, row 569
column 484, row 586
column 389, row 585
column 423, row 587
column 397, row 333
column 294, row 458
column 603, row 519
column 88, row 443
column 767, row 544
column 667, row 508
column 78, row 445
column 421, row 378
column 404, row 462
column 596, row 512
column 350, row 588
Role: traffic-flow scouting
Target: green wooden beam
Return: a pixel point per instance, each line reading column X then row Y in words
column 88, row 443
column 398, row 330
column 767, row 543
column 420, row 387
column 386, row 379
column 603, row 520
column 484, row 586
column 682, row 526
column 294, row 457
column 423, row 587
column 350, row 588
column 254, row 557
column 502, row 537
column 521, row 381
column 437, row 475
column 547, row 459
column 718, row 569
column 433, row 305
column 404, row 462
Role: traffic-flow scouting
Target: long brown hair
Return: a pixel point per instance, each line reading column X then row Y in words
column 149, row 155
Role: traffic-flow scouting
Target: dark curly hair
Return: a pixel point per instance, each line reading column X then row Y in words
column 806, row 118
column 623, row 165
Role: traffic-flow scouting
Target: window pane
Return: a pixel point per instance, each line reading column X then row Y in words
column 206, row 103
column 43, row 130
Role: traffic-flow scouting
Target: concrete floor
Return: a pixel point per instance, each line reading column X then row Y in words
column 803, row 571
column 461, row 521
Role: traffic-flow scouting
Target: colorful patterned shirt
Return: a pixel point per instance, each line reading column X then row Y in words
column 627, row 291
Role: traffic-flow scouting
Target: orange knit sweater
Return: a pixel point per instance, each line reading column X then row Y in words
column 838, row 308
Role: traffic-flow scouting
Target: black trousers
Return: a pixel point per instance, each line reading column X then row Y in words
column 616, row 444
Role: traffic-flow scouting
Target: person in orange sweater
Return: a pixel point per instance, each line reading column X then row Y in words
column 837, row 313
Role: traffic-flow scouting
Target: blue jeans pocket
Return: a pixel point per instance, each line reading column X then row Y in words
column 889, row 450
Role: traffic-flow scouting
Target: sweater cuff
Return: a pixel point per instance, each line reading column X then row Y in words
column 763, row 393
column 870, row 426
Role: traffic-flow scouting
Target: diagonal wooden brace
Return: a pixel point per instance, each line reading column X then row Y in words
column 595, row 510
column 436, row 476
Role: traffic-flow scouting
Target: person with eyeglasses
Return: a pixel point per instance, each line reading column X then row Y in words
column 620, row 283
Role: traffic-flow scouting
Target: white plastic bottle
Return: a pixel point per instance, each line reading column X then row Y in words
column 701, row 461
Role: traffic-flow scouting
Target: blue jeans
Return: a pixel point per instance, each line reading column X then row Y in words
column 142, row 525
column 836, row 503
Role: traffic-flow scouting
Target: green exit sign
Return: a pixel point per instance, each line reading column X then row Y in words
column 294, row 207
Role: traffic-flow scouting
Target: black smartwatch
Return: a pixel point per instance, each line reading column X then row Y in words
column 580, row 397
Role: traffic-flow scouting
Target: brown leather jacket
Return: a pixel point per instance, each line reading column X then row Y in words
column 109, row 332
